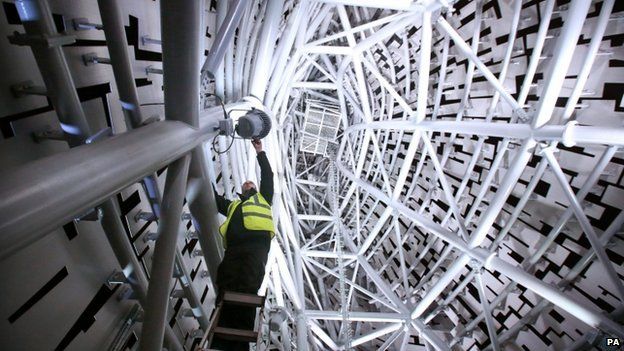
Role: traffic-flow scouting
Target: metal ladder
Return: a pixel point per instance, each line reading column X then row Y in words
column 232, row 298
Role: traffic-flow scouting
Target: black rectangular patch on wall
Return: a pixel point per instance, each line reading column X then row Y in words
column 70, row 230
column 176, row 309
column 51, row 284
column 87, row 317
column 132, row 339
column 204, row 294
column 196, row 270
column 130, row 203
column 10, row 11
column 141, row 82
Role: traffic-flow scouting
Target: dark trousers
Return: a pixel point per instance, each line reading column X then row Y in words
column 241, row 270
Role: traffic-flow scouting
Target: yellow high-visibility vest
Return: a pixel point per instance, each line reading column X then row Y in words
column 257, row 215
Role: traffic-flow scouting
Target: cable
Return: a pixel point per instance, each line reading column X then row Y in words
column 226, row 115
column 214, row 148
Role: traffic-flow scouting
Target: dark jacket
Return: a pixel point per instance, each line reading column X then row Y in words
column 237, row 235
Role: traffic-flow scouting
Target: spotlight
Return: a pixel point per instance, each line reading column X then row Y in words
column 247, row 118
column 255, row 124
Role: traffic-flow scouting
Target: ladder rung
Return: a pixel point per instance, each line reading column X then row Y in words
column 236, row 334
column 236, row 298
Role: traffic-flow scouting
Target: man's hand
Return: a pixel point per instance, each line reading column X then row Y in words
column 257, row 144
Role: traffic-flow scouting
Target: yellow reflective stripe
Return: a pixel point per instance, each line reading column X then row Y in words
column 257, row 215
column 257, row 204
column 248, row 214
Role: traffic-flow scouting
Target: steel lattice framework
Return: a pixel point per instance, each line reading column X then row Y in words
column 357, row 225
column 407, row 161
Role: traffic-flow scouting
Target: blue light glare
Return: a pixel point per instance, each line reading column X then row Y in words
column 127, row 106
column 70, row 129
column 27, row 10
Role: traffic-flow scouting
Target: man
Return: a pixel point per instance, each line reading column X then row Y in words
column 246, row 235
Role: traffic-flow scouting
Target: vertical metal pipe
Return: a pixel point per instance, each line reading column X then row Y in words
column 120, row 60
column 180, row 22
column 562, row 56
column 118, row 51
column 156, row 305
column 487, row 311
column 225, row 36
column 219, row 74
column 191, row 293
column 114, row 31
column 423, row 68
column 287, row 39
column 37, row 20
column 180, row 32
column 534, row 60
column 113, row 228
column 268, row 35
column 117, row 45
column 594, row 45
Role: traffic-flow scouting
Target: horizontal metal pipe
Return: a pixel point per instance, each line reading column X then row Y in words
column 590, row 56
column 569, row 134
column 45, row 194
column 381, row 317
column 327, row 254
column 394, row 5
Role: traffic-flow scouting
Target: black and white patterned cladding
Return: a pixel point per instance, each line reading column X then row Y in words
column 565, row 263
column 54, row 293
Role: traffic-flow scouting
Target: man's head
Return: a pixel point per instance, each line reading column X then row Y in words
column 248, row 185
column 248, row 188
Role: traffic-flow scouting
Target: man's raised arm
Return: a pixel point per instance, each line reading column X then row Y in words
column 222, row 202
column 266, row 173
